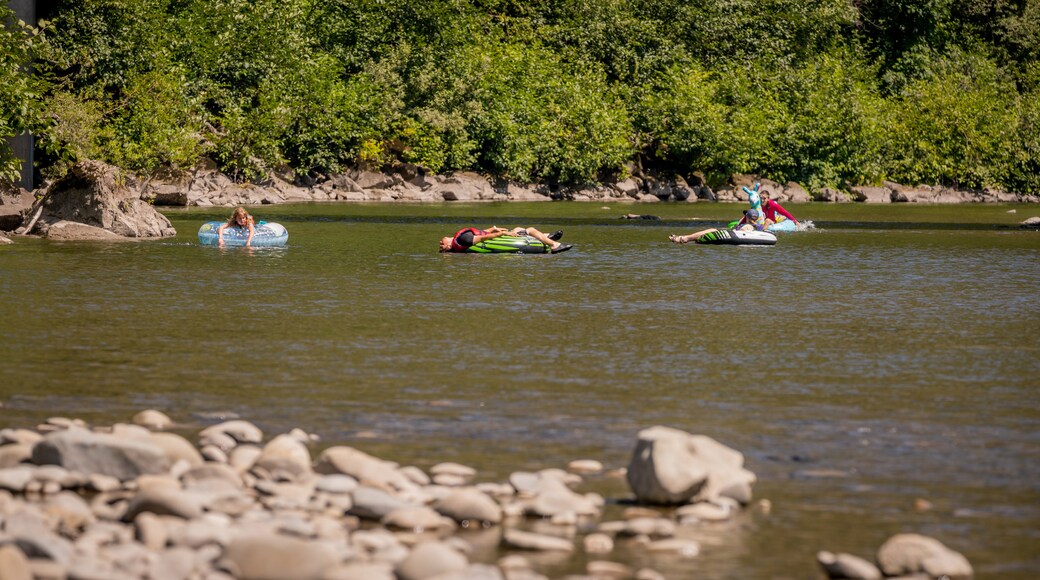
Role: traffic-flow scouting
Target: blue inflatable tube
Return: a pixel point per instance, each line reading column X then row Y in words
column 265, row 235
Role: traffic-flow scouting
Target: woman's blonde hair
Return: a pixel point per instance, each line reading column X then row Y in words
column 239, row 212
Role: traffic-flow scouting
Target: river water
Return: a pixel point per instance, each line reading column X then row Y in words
column 888, row 356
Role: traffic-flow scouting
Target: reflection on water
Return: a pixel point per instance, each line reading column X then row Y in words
column 857, row 368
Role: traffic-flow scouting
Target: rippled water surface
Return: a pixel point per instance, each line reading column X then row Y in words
column 887, row 356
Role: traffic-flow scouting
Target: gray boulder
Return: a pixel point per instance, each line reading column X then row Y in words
column 101, row 195
column 905, row 554
column 670, row 466
column 93, row 453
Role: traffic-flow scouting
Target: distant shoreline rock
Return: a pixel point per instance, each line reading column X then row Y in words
column 103, row 196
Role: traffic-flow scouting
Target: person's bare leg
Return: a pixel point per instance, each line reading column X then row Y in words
column 690, row 237
column 542, row 238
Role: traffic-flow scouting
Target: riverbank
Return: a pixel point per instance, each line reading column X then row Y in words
column 139, row 500
column 95, row 201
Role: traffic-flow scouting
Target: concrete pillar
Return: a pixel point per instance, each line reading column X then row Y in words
column 23, row 144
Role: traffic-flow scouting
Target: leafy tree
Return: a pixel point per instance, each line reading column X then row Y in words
column 681, row 122
column 957, row 128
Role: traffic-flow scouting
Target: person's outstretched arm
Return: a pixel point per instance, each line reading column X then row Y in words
column 780, row 210
column 490, row 235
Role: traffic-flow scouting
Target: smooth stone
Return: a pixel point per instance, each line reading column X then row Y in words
column 649, row 574
column 418, row 519
column 524, row 482
column 150, row 530
column 163, row 501
column 212, row 476
column 450, row 480
column 361, row 571
column 41, row 543
column 14, row 454
column 368, row 470
column 152, row 419
column 172, row 564
column 670, row 466
column 213, row 454
column 469, row 504
column 273, row 556
column 243, row 457
column 71, row 512
column 286, row 454
column 703, row 512
column 177, row 448
column 16, row 478
column 415, row 475
column 197, row 533
column 89, row 453
column 11, row 436
column 685, row 548
column 218, row 439
column 374, row 504
column 585, row 466
column 47, row 570
column 103, row 483
column 654, row 527
column 531, row 541
column 336, row 483
column 605, row 569
column 847, row 566
column 449, row 468
column 430, row 559
column 631, row 513
column 239, row 430
column 13, row 564
column 598, row 543
column 914, row 553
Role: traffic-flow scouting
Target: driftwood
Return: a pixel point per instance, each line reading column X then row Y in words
column 34, row 214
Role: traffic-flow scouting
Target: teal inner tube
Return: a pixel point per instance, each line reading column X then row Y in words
column 781, row 226
column 265, row 235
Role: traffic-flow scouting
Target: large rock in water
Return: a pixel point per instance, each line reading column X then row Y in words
column 905, row 554
column 101, row 195
column 670, row 466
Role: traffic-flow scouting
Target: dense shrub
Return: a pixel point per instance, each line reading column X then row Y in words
column 825, row 92
column 958, row 127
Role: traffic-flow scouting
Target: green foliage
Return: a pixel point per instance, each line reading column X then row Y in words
column 825, row 92
column 156, row 124
column 539, row 118
column 69, row 130
column 337, row 121
column 681, row 123
column 958, row 127
column 832, row 136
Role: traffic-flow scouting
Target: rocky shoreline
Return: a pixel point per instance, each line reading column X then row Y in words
column 95, row 201
column 138, row 500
